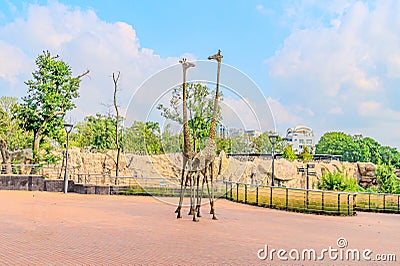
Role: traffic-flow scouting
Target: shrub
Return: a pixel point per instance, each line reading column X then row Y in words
column 338, row 181
column 387, row 179
column 289, row 154
column 305, row 155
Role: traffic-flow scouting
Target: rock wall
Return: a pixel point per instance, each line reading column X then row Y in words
column 366, row 175
column 257, row 170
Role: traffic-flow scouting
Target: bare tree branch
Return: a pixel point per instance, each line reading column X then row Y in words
column 83, row 74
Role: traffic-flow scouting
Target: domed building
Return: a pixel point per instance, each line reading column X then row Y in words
column 299, row 137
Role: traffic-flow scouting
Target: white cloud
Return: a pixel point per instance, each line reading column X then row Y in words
column 374, row 110
column 240, row 113
column 282, row 115
column 84, row 41
column 14, row 63
column 336, row 110
column 347, row 61
column 369, row 108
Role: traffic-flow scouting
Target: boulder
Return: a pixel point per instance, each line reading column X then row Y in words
column 370, row 167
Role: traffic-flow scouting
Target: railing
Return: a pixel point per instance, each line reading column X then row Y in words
column 52, row 172
column 378, row 202
column 290, row 199
column 293, row 199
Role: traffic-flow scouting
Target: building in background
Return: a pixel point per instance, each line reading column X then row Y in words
column 253, row 133
column 299, row 137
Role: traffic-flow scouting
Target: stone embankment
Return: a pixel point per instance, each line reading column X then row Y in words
column 257, row 170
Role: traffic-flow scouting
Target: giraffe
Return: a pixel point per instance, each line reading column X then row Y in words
column 205, row 159
column 188, row 152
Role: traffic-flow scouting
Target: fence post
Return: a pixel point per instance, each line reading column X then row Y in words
column 270, row 197
column 237, row 192
column 257, row 195
column 226, row 190
column 245, row 193
column 231, row 191
column 307, row 199
column 369, row 202
column 384, row 202
column 354, row 203
column 338, row 201
column 287, row 199
column 348, row 204
column 323, row 203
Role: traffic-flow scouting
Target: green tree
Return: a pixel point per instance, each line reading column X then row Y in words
column 261, row 144
column 10, row 131
column 305, row 155
column 200, row 104
column 387, row 180
column 50, row 96
column 143, row 137
column 357, row 149
column 240, row 143
column 389, row 156
column 224, row 144
column 171, row 142
column 96, row 132
column 367, row 150
column 289, row 154
column 337, row 143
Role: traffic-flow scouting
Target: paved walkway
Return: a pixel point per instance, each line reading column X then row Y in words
column 39, row 228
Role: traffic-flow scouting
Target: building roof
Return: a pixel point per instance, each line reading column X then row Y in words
column 300, row 129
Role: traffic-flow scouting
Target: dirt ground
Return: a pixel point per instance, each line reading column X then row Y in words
column 40, row 228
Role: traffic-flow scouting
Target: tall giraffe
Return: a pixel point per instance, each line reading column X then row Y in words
column 205, row 159
column 188, row 152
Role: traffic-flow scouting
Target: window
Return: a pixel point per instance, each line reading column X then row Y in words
column 309, row 141
column 301, row 141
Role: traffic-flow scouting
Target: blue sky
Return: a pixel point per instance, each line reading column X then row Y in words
column 331, row 65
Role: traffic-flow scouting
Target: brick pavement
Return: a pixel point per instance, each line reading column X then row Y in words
column 41, row 228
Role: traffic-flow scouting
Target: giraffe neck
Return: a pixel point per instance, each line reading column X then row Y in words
column 187, row 145
column 213, row 125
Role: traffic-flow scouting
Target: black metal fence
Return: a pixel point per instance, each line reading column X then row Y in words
column 293, row 199
column 290, row 199
column 378, row 202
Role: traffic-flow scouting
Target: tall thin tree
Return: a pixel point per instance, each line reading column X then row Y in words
column 115, row 80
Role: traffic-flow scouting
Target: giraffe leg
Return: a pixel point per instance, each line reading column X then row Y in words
column 182, row 191
column 191, row 194
column 193, row 207
column 208, row 191
column 201, row 195
column 197, row 193
column 212, row 191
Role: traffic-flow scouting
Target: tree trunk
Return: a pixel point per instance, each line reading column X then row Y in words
column 5, row 156
column 115, row 79
column 35, row 147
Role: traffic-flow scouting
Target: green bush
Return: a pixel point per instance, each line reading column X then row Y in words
column 305, row 155
column 338, row 181
column 387, row 180
column 289, row 154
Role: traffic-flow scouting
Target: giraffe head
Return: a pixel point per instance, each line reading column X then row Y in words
column 217, row 56
column 186, row 64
